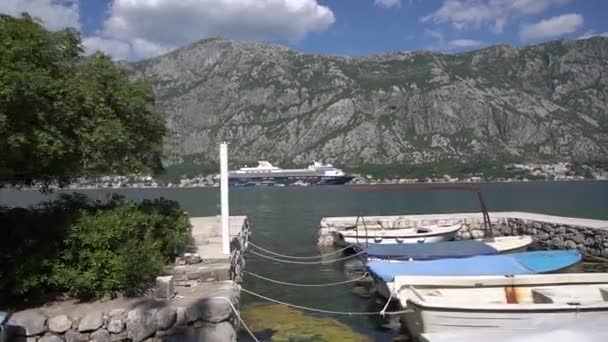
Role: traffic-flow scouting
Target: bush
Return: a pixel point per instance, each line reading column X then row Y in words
column 89, row 248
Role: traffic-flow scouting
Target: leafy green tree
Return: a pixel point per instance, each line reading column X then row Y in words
column 63, row 115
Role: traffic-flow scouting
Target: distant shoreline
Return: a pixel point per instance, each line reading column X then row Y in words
column 315, row 186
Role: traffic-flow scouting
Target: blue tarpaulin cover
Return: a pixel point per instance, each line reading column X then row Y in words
column 507, row 264
column 427, row 251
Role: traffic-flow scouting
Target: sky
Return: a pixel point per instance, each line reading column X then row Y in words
column 139, row 29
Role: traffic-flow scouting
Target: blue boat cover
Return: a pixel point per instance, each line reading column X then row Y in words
column 427, row 251
column 507, row 264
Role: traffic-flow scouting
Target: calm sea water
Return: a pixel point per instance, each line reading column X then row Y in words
column 286, row 220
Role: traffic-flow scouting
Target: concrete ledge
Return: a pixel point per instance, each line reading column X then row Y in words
column 556, row 232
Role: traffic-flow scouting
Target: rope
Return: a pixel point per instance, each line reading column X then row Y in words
column 346, row 313
column 306, row 285
column 299, row 257
column 236, row 312
column 383, row 311
column 596, row 257
column 305, row 262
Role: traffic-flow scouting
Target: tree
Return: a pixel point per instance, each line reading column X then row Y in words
column 63, row 115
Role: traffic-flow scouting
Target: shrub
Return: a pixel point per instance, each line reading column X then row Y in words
column 89, row 248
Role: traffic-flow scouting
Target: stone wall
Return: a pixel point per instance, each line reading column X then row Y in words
column 555, row 232
column 199, row 310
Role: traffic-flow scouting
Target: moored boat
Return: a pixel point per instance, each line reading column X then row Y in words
column 503, row 304
column 386, row 273
column 380, row 235
column 443, row 250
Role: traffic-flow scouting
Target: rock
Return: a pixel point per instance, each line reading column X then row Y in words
column 477, row 234
column 466, row 235
column 50, row 338
column 537, row 225
column 569, row 244
column 561, row 230
column 59, row 324
column 75, row 336
column 543, row 237
column 209, row 310
column 604, row 253
column 118, row 337
column 180, row 318
column 141, row 323
column 101, row 335
column 578, row 238
column 91, row 321
column 117, row 313
column 165, row 317
column 28, row 322
column 116, row 325
column 558, row 241
column 220, row 332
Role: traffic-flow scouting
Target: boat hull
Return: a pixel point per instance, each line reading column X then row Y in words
column 288, row 181
column 421, row 320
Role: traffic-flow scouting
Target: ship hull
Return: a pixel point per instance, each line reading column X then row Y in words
column 288, row 181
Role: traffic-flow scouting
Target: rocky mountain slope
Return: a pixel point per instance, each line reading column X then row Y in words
column 547, row 101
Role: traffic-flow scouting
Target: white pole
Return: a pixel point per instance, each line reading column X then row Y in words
column 224, row 198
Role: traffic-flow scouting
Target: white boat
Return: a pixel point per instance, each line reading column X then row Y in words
column 504, row 304
column 509, row 244
column 381, row 235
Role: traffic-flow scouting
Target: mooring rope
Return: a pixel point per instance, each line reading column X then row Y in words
column 305, row 262
column 236, row 312
column 331, row 312
column 306, row 285
column 299, row 257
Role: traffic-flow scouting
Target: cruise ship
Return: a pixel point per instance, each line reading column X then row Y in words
column 265, row 174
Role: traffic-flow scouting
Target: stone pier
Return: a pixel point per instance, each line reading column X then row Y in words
column 198, row 305
column 555, row 232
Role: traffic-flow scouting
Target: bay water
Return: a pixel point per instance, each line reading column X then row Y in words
column 286, row 220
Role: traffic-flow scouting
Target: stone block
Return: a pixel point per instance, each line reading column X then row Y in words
column 101, row 335
column 27, row 322
column 209, row 310
column 164, row 287
column 50, row 338
column 165, row 317
column 118, row 337
column 91, row 321
column 141, row 324
column 74, row 336
column 59, row 324
column 569, row 244
column 116, row 324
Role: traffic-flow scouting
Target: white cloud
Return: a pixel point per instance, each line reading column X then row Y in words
column 463, row 14
column 387, row 3
column 464, row 43
column 55, row 15
column 552, row 27
column 592, row 33
column 151, row 27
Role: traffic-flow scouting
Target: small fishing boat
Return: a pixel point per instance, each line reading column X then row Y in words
column 380, row 235
column 504, row 304
column 443, row 250
column 384, row 273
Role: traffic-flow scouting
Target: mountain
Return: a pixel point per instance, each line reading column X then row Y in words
column 541, row 102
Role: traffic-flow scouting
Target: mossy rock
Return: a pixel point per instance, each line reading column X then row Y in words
column 291, row 325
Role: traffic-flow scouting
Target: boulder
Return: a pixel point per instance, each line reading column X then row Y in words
column 59, row 324
column 116, row 325
column 141, row 324
column 570, row 244
column 209, row 310
column 220, row 332
column 28, row 322
column 558, row 242
column 91, row 321
column 101, row 335
column 75, row 336
column 50, row 338
column 165, row 317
